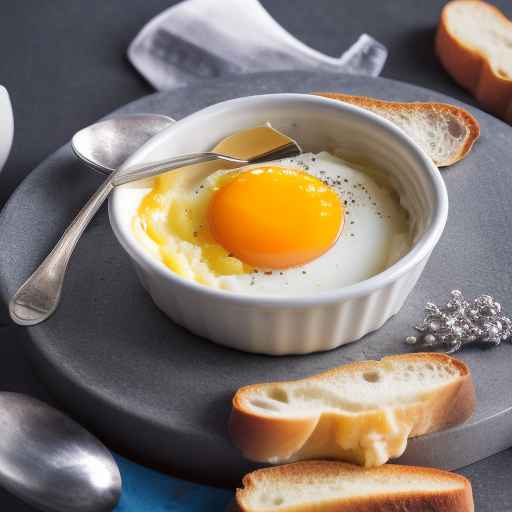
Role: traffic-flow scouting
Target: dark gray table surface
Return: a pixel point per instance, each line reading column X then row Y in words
column 64, row 65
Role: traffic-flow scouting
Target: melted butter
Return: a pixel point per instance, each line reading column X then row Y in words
column 368, row 439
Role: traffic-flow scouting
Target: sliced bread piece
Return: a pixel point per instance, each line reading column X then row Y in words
column 322, row 486
column 474, row 44
column 446, row 133
column 361, row 412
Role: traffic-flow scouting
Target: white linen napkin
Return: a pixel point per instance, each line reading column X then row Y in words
column 200, row 39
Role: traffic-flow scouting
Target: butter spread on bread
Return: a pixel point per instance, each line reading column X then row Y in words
column 322, row 486
column 361, row 412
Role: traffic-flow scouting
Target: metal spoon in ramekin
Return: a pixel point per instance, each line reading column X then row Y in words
column 108, row 142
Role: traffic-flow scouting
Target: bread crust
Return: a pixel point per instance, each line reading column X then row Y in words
column 265, row 437
column 463, row 116
column 445, row 500
column 471, row 68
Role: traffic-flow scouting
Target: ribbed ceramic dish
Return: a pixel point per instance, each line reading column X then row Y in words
column 307, row 323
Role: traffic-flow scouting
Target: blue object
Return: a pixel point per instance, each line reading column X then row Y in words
column 146, row 490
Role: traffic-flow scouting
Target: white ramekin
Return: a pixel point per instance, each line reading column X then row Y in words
column 306, row 323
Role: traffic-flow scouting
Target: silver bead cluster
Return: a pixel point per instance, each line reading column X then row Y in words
column 461, row 322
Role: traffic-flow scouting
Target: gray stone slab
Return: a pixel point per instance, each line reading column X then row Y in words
column 161, row 395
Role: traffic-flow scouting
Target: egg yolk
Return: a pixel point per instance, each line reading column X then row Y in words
column 275, row 217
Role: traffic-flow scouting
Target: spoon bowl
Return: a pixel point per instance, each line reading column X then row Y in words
column 51, row 462
column 105, row 145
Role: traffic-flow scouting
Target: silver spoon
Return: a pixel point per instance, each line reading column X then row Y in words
column 39, row 296
column 51, row 462
column 105, row 146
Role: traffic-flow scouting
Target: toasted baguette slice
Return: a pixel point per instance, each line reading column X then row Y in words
column 446, row 133
column 474, row 44
column 322, row 486
column 362, row 412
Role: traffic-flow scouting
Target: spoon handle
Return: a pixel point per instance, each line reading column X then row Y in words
column 153, row 169
column 38, row 297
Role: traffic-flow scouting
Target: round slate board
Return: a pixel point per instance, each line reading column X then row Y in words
column 161, row 395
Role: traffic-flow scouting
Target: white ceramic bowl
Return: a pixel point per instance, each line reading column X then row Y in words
column 307, row 323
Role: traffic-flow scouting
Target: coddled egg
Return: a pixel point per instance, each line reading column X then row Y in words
column 310, row 223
